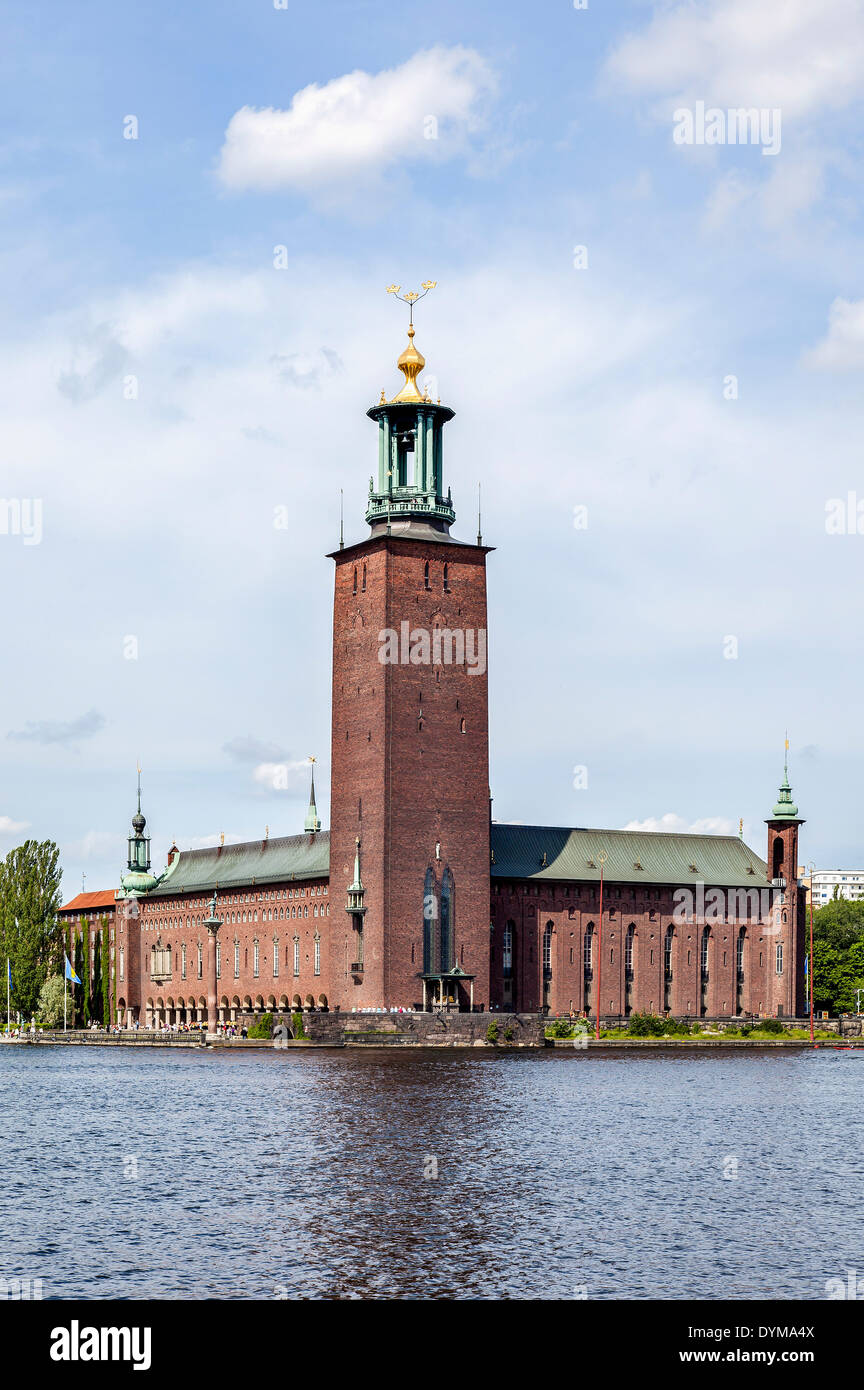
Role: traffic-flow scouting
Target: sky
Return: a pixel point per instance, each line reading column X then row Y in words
column 654, row 350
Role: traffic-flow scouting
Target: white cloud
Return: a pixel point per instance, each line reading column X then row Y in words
column 793, row 54
column 842, row 349
column 672, row 824
column 8, row 826
column 359, row 124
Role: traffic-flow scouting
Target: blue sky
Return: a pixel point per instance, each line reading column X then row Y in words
column 163, row 617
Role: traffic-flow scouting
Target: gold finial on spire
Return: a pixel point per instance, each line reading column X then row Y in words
column 412, row 361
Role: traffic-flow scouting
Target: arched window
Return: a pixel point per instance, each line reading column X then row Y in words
column 355, row 579
column 628, row 949
column 703, row 952
column 364, row 579
column 547, row 949
column 507, row 951
column 667, row 952
column 426, row 575
column 446, row 579
column 779, row 960
column 739, row 951
column 447, row 956
column 430, row 912
column 588, row 949
column 777, row 857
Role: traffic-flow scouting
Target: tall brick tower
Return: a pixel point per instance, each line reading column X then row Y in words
column 409, row 838
column 787, row 944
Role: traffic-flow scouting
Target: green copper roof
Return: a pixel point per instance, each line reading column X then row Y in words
column 632, row 856
column 137, row 881
column 260, row 861
column 538, row 852
column 784, row 806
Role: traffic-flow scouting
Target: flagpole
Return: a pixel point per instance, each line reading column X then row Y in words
column 8, row 1000
column 64, row 997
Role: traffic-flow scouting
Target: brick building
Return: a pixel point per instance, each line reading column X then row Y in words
column 414, row 898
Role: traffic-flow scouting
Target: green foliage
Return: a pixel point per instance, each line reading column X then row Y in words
column 771, row 1025
column 29, row 899
column 645, row 1025
column 106, row 975
column 561, row 1028
column 492, row 1032
column 49, row 1008
column 509, row 1035
column 83, row 971
column 297, row 1028
column 838, row 951
column 262, row 1027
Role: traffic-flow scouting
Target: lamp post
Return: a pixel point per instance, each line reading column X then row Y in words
column 212, row 923
column 811, row 868
column 601, row 860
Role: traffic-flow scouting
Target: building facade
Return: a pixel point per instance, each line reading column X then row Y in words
column 415, row 898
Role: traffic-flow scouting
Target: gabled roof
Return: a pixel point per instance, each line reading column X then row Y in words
column 85, row 902
column 632, row 856
column 258, row 861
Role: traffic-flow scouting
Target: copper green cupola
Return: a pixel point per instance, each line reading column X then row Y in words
column 409, row 490
column 784, row 807
column 138, row 879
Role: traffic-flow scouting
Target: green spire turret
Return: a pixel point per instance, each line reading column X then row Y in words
column 784, row 807
column 312, row 824
column 138, row 879
column 410, row 485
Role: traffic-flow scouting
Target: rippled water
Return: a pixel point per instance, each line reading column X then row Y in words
column 261, row 1172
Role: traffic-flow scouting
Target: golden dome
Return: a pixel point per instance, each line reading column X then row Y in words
column 410, row 364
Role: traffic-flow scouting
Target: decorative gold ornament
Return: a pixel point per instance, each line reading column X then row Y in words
column 412, row 361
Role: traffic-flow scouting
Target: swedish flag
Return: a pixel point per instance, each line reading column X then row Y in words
column 70, row 973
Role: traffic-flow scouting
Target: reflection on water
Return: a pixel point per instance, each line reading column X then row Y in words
column 155, row 1174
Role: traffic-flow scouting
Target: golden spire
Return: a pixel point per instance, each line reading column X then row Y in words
column 412, row 361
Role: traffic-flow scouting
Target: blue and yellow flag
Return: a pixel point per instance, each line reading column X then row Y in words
column 9, row 974
column 70, row 973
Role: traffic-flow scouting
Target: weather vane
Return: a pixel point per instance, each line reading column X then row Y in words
column 413, row 295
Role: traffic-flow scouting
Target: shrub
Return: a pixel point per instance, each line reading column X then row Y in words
column 262, row 1027
column 561, row 1028
column 646, row 1026
column 508, row 1033
column 492, row 1032
column 771, row 1025
column 298, row 1029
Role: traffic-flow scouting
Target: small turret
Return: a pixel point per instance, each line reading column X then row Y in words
column 312, row 823
column 138, row 880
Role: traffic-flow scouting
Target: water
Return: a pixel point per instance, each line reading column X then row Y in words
column 268, row 1173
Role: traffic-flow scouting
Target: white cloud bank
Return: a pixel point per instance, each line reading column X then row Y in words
column 676, row 825
column 788, row 53
column 359, row 124
column 842, row 348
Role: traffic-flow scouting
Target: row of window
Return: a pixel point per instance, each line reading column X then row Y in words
column 161, row 959
column 588, row 950
column 270, row 914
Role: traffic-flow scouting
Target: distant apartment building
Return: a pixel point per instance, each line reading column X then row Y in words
column 822, row 883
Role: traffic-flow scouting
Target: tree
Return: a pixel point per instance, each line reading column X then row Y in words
column 838, row 954
column 106, row 976
column 29, row 899
column 49, row 1009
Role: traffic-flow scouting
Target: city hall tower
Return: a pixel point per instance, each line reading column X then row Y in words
column 409, row 839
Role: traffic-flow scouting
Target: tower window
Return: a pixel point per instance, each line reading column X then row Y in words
column 446, row 579
column 462, row 726
column 426, row 575
column 364, row 579
column 355, row 579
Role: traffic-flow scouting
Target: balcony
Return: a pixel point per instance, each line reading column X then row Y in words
column 356, row 969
